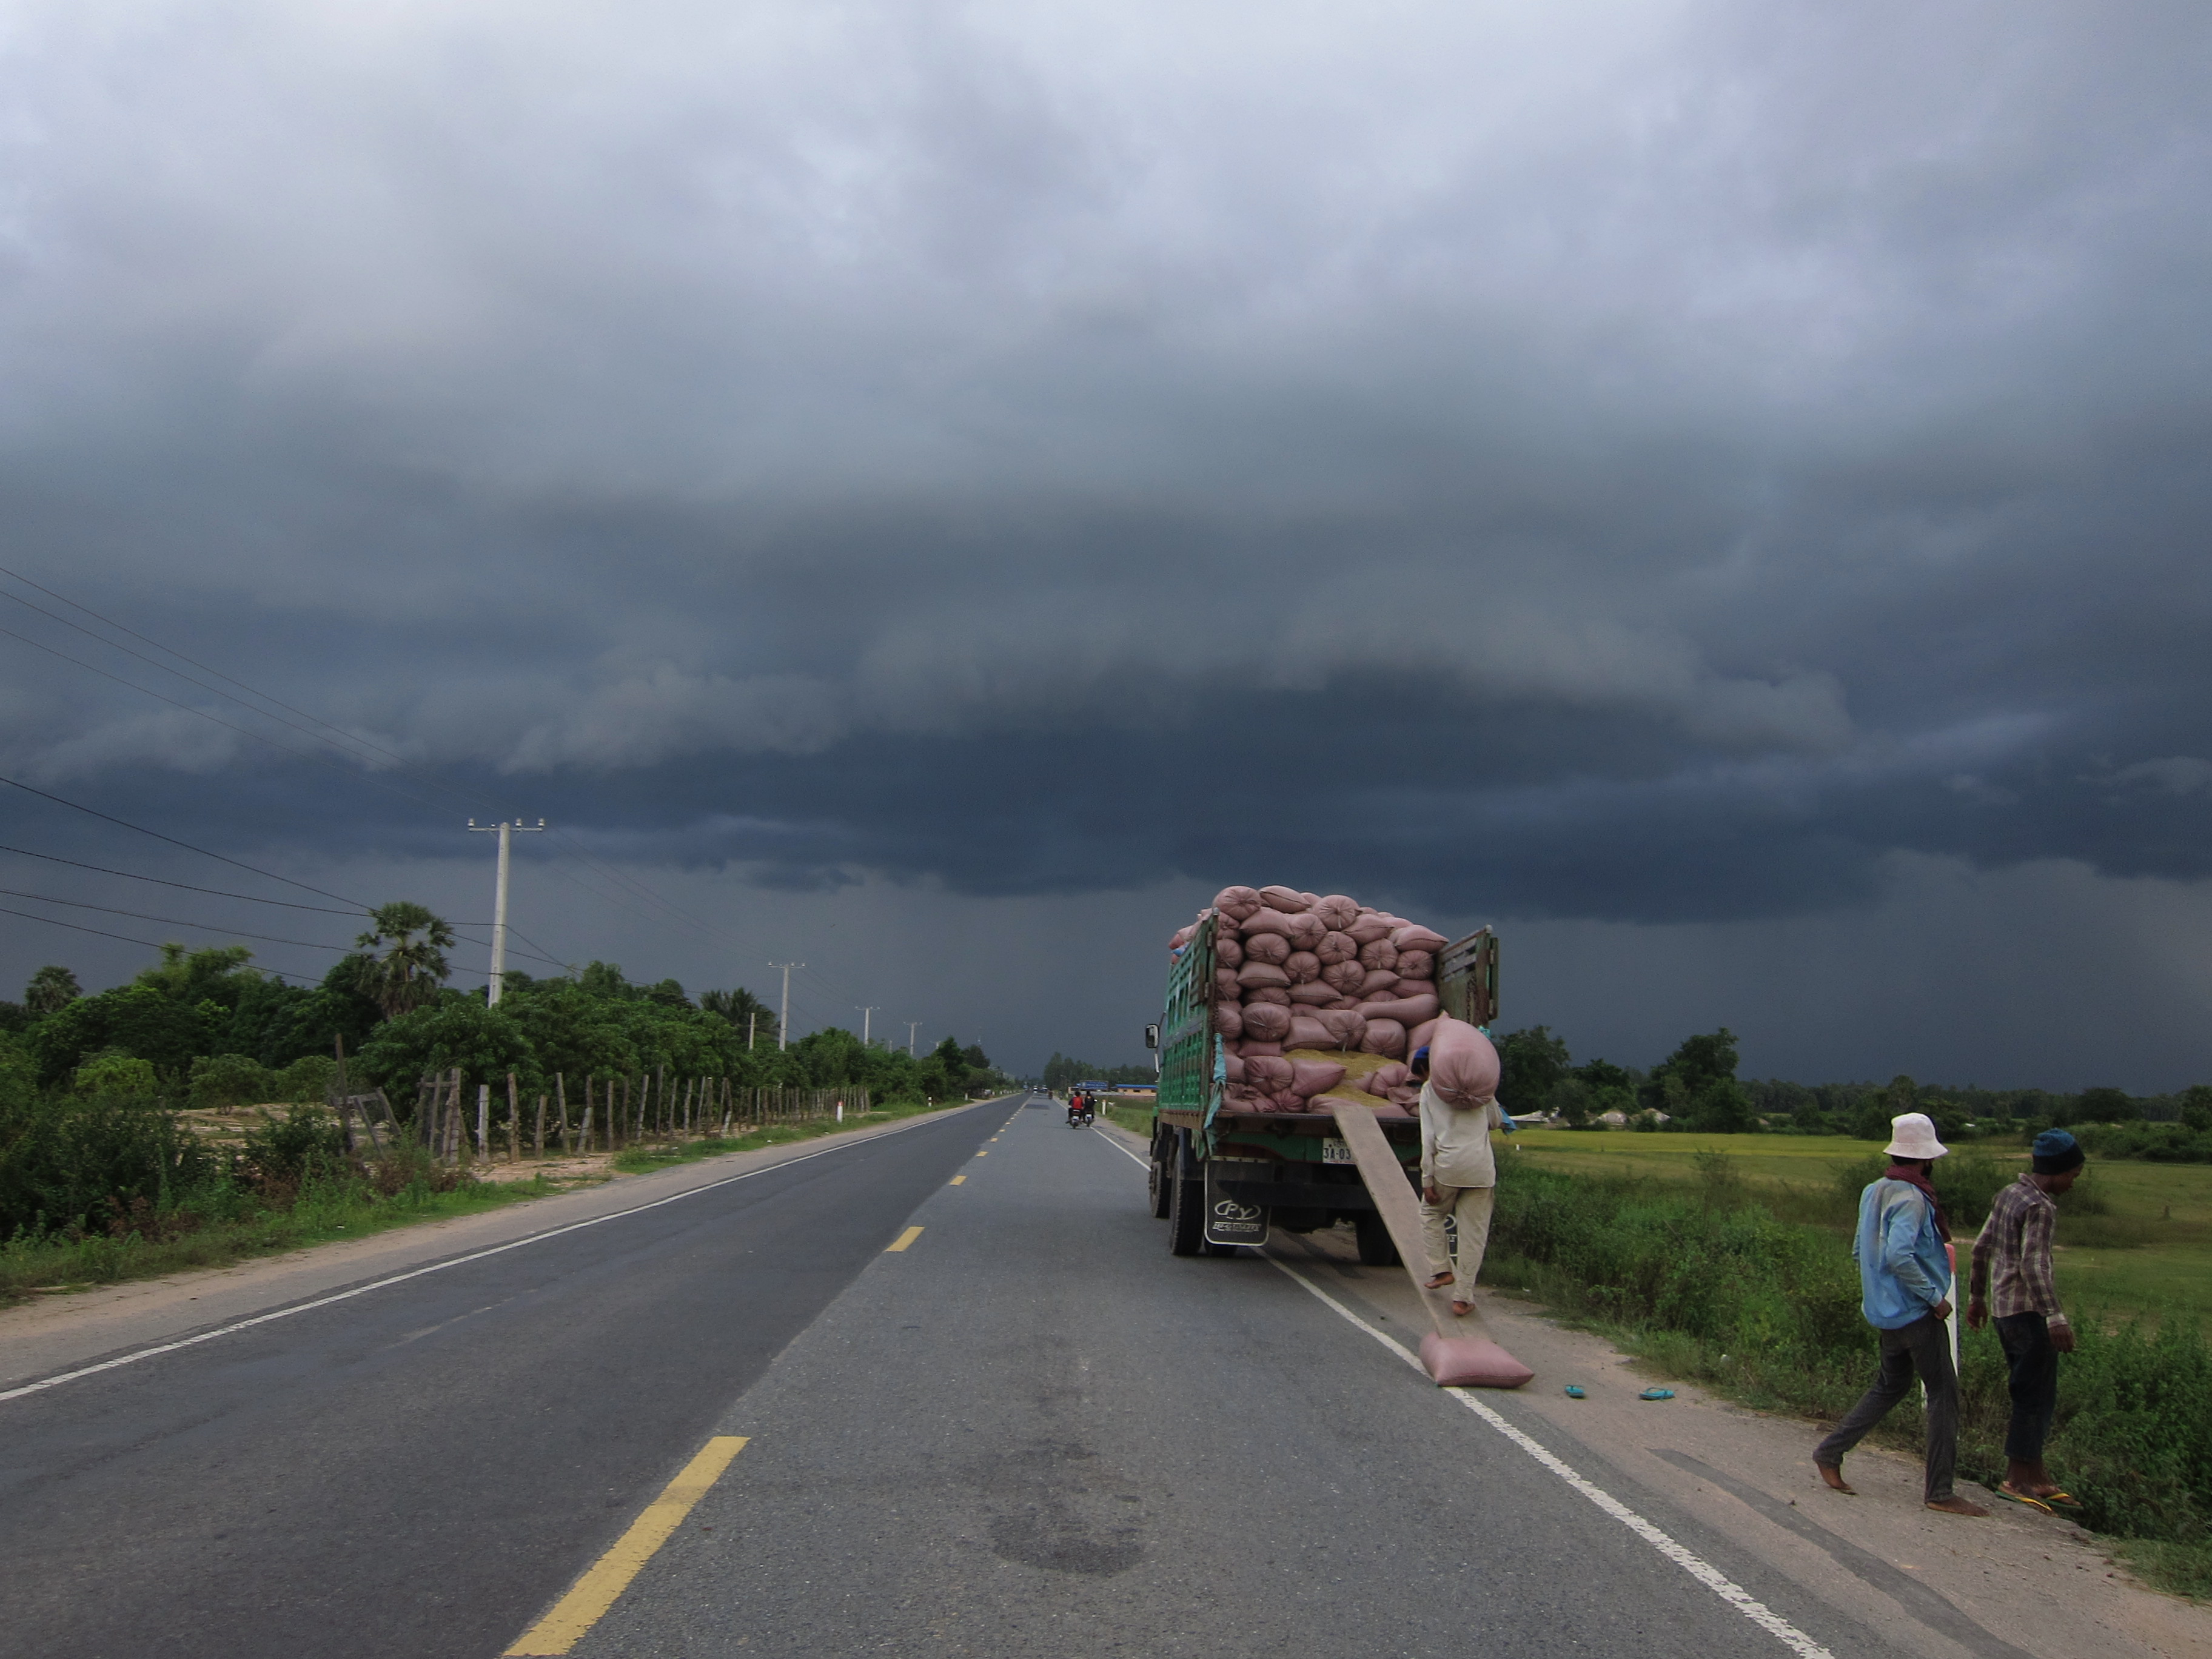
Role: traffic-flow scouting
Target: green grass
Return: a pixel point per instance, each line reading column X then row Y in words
column 1695, row 1275
column 2135, row 1240
column 319, row 1216
column 347, row 1209
column 637, row 1160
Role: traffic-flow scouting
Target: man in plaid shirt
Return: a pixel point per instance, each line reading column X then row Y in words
column 2014, row 1251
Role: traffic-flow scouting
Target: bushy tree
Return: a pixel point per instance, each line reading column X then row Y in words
column 1698, row 1082
column 231, row 1080
column 408, row 944
column 215, row 973
column 111, row 1072
column 52, row 989
column 744, row 1011
column 1532, row 1063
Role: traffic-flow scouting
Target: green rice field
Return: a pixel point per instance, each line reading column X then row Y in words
column 2136, row 1238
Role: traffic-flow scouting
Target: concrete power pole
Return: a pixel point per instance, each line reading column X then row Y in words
column 499, row 899
column 910, row 1026
column 865, row 1015
column 783, row 1029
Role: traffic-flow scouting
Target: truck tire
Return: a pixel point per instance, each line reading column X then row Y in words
column 1160, row 1182
column 1376, row 1248
column 1186, row 1214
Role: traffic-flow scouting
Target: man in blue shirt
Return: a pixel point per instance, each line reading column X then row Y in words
column 1905, row 1291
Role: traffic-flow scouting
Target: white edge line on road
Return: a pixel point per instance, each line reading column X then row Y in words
column 232, row 1329
column 1696, row 1565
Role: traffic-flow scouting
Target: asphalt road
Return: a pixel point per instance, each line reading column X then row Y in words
column 1028, row 1430
column 418, row 1470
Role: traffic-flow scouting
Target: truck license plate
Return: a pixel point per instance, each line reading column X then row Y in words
column 1336, row 1150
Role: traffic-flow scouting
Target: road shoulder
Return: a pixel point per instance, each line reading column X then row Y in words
column 2014, row 1583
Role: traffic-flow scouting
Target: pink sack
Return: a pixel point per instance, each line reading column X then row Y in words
column 1267, row 1073
column 1381, row 1036
column 1267, row 993
column 1348, row 977
column 1236, row 902
column 1415, row 987
column 1182, row 937
column 1289, row 1100
column 1267, row 1021
column 1418, row 1037
column 1227, row 953
column 1252, row 1048
column 1288, row 900
column 1406, row 1096
column 1314, row 993
column 1337, row 947
column 1308, row 1032
column 1337, row 910
column 1302, row 966
column 1369, row 928
column 1261, row 973
column 1265, row 921
column 1229, row 1019
column 1381, row 954
column 1306, row 931
column 1374, row 981
column 1232, row 1068
column 1384, row 1079
column 1407, row 1011
column 1417, row 964
column 1314, row 1077
column 1462, row 1065
column 1224, row 983
column 1267, row 947
column 1414, row 937
column 1345, row 1026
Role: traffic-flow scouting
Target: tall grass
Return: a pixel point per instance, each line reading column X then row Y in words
column 1707, row 1282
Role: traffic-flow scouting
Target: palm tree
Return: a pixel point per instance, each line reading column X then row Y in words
column 409, row 965
column 51, row 988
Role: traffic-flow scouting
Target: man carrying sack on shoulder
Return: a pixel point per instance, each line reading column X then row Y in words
column 2013, row 1251
column 1459, row 1180
column 1904, row 1283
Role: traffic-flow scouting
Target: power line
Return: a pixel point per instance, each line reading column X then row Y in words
column 172, row 921
column 214, row 893
column 570, row 845
column 234, row 863
column 79, row 928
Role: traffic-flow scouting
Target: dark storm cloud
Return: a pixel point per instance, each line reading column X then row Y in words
column 1642, row 463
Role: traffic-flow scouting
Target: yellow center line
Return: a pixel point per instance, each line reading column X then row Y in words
column 957, row 1180
column 984, row 1151
column 904, row 1239
column 603, row 1584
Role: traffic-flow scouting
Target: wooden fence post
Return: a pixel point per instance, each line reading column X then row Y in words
column 561, row 1089
column 538, row 1149
column 513, row 1123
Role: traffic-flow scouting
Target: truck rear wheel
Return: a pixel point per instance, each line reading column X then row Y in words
column 1160, row 1182
column 1186, row 1214
column 1376, row 1248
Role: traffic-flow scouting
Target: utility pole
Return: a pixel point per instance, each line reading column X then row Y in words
column 864, row 1014
column 783, row 1029
column 910, row 1025
column 499, row 899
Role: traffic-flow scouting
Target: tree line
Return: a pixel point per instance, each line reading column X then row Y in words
column 1696, row 1088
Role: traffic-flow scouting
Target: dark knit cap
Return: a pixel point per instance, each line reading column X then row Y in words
column 2056, row 1151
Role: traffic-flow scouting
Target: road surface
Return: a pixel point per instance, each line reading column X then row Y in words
column 1023, row 1428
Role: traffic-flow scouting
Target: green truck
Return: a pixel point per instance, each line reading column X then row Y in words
column 1221, row 1179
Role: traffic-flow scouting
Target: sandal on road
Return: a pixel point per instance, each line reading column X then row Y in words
column 2029, row 1498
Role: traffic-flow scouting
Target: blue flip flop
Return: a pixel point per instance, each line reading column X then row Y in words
column 1574, row 1393
column 1656, row 1394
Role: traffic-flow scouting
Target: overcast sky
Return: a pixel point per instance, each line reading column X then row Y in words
column 933, row 491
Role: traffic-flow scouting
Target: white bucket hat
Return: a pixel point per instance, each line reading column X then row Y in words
column 1914, row 1136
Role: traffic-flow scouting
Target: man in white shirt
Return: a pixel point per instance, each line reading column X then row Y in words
column 1459, row 1179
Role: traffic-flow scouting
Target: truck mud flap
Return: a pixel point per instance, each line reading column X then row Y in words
column 1231, row 1220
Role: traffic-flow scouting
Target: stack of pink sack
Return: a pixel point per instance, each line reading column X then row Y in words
column 1299, row 979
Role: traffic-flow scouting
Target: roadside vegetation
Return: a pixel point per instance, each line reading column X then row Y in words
column 183, row 1119
column 1721, row 1274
